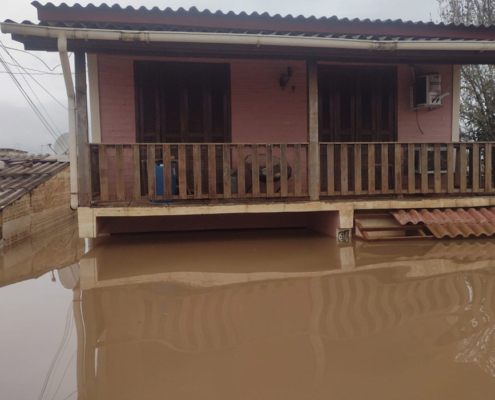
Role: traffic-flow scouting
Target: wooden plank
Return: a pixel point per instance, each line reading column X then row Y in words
column 119, row 162
column 198, row 188
column 424, row 168
column 462, row 167
column 270, row 191
column 151, row 171
column 227, row 180
column 437, row 168
column 103, row 171
column 411, row 181
column 476, row 167
column 371, row 169
column 212, row 172
column 182, row 172
column 82, row 139
column 450, row 168
column 241, row 172
column 167, row 172
column 488, row 167
column 398, row 168
column 314, row 147
column 136, row 173
column 344, row 169
column 357, row 169
column 283, row 170
column 384, row 167
column 297, row 170
column 330, row 169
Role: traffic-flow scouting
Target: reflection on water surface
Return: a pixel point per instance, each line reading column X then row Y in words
column 281, row 315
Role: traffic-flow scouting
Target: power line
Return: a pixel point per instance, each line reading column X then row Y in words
column 35, row 95
column 33, row 55
column 28, row 99
column 34, row 73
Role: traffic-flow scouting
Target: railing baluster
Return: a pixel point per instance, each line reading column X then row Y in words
column 241, row 172
column 384, row 167
column 182, row 171
column 136, row 189
column 198, row 184
column 371, row 169
column 283, row 170
column 488, row 167
column 450, row 168
column 212, row 172
column 344, row 169
column 462, row 167
column 411, row 177
column 357, row 169
column 103, row 166
column 398, row 168
column 476, row 167
column 297, row 167
column 167, row 173
column 119, row 163
column 269, row 171
column 330, row 169
column 437, row 175
column 151, row 171
column 227, row 179
column 424, row 168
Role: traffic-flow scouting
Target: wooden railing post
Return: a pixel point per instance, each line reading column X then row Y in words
column 314, row 148
column 84, row 178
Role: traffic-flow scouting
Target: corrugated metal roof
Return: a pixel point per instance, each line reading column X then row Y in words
column 451, row 223
column 20, row 175
column 173, row 28
column 244, row 15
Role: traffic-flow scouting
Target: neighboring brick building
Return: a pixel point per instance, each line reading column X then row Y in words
column 34, row 198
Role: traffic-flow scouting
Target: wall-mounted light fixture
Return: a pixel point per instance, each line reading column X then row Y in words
column 285, row 78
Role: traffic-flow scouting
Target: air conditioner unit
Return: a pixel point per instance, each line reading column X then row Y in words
column 431, row 160
column 428, row 91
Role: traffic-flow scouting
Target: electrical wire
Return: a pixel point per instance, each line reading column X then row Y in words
column 35, row 56
column 70, row 395
column 417, row 121
column 63, row 376
column 34, row 73
column 57, row 353
column 19, row 67
column 29, row 100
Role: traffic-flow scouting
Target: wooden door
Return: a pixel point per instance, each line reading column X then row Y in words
column 357, row 104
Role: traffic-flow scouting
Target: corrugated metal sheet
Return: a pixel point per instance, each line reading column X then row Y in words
column 254, row 15
column 451, row 222
column 20, row 175
column 172, row 28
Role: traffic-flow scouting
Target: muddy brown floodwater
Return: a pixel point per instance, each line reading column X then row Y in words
column 274, row 314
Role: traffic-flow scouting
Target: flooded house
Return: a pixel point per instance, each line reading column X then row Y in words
column 212, row 120
column 34, row 199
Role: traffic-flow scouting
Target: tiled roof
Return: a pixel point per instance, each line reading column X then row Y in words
column 451, row 223
column 19, row 175
column 243, row 15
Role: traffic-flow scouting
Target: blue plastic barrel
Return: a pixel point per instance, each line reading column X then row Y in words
column 159, row 182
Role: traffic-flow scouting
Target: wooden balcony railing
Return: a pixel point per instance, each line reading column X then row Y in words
column 164, row 172
column 405, row 168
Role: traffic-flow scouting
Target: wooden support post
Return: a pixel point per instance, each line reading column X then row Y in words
column 83, row 164
column 314, row 148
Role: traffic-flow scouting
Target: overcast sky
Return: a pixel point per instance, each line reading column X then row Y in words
column 19, row 126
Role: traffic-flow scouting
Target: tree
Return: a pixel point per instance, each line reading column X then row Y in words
column 477, row 81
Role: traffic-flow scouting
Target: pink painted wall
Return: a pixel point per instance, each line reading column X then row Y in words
column 436, row 124
column 261, row 111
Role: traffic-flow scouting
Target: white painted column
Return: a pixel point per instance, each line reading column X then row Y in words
column 94, row 98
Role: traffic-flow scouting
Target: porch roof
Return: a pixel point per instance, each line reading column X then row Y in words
column 384, row 35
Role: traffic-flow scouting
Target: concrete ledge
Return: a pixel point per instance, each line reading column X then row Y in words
column 346, row 208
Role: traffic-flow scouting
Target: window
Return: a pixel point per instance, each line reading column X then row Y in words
column 182, row 102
